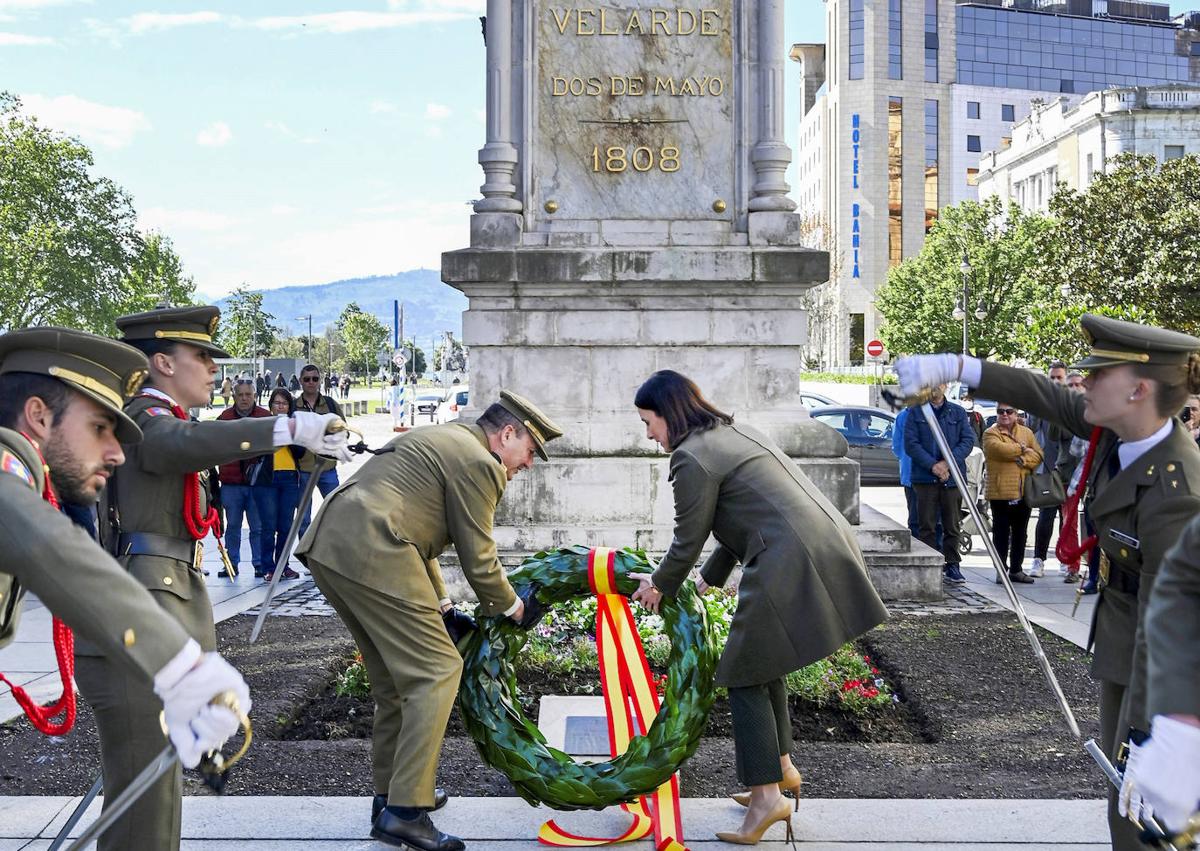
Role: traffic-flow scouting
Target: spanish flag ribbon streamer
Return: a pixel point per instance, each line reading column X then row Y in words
column 625, row 678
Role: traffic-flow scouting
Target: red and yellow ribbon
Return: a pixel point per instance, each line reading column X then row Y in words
column 625, row 679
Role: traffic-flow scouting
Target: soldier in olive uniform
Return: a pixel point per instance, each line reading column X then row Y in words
column 61, row 394
column 1142, row 489
column 155, row 513
column 373, row 550
column 1166, row 774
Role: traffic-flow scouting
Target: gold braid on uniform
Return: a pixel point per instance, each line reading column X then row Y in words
column 510, row 743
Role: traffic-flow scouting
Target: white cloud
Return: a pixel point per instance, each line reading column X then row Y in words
column 215, row 135
column 339, row 23
column 284, row 210
column 378, row 106
column 169, row 221
column 436, row 111
column 107, row 126
column 284, row 130
column 476, row 6
column 22, row 40
column 144, row 22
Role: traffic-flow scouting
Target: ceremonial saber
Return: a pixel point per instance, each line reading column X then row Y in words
column 285, row 554
column 214, row 767
column 1001, row 570
column 1153, row 832
column 84, row 803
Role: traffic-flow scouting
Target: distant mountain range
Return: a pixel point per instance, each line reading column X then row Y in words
column 430, row 307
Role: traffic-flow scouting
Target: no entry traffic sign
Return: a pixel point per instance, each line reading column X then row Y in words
column 875, row 348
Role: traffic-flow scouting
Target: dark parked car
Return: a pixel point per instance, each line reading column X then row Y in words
column 869, row 433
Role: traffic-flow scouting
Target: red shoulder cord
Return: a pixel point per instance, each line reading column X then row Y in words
column 198, row 527
column 1068, row 549
column 64, row 651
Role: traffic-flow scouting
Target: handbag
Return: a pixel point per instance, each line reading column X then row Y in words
column 1043, row 490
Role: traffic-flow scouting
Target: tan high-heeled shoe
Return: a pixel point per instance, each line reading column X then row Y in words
column 780, row 812
column 790, row 783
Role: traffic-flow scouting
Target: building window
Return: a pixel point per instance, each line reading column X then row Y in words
column 972, row 109
column 1008, row 112
column 931, row 163
column 857, row 42
column 858, row 338
column 973, row 144
column 931, row 42
column 1087, row 174
column 895, row 181
column 973, row 177
column 895, row 38
column 1172, row 152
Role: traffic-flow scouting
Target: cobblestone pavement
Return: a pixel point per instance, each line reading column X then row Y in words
column 959, row 600
column 297, row 599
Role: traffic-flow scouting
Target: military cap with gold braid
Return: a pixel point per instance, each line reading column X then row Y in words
column 1115, row 342
column 539, row 426
column 104, row 370
column 194, row 325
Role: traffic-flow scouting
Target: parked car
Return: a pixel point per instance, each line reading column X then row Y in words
column 869, row 433
column 453, row 404
column 812, row 400
column 427, row 403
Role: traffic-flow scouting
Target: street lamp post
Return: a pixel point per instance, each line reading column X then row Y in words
column 960, row 307
column 308, row 339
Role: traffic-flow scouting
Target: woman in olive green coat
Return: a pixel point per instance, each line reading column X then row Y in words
column 804, row 590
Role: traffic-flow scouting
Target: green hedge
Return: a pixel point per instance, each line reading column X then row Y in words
column 889, row 377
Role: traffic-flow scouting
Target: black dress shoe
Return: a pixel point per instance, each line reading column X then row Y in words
column 380, row 801
column 419, row 833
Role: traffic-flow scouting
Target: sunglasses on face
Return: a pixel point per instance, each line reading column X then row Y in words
column 1006, row 410
column 309, row 378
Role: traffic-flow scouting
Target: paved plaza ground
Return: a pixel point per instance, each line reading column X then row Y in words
column 277, row 823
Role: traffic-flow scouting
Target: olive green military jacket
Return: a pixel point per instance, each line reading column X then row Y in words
column 309, row 461
column 1139, row 514
column 804, row 590
column 42, row 551
column 1173, row 630
column 149, row 490
column 386, row 525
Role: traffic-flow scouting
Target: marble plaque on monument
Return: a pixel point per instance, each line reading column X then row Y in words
column 633, row 110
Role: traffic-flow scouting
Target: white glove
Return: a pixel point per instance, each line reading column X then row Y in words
column 193, row 725
column 1130, row 803
column 918, row 372
column 310, row 433
column 1168, row 772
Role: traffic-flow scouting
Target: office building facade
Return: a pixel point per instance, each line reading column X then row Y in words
column 906, row 95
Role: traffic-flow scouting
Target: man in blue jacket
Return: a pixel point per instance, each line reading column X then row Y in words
column 937, row 497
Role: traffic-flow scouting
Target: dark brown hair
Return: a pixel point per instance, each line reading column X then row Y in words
column 283, row 393
column 1173, row 383
column 678, row 400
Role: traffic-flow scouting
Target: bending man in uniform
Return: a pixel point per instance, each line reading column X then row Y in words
column 61, row 393
column 373, row 549
column 155, row 513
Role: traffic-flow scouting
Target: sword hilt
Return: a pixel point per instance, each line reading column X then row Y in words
column 898, row 401
column 214, row 766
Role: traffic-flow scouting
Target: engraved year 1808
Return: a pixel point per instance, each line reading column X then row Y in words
column 617, row 159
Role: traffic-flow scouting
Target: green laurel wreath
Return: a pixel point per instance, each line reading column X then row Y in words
column 512, row 744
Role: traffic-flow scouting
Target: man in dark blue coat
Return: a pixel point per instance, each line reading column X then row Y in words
column 937, row 497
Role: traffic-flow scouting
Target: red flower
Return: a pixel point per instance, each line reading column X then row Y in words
column 851, row 684
column 870, row 692
column 874, row 670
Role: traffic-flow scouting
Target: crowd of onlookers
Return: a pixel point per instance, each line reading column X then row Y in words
column 265, row 491
column 264, row 383
column 1026, row 463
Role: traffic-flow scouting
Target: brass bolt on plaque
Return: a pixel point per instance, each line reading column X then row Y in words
column 551, row 207
column 718, row 206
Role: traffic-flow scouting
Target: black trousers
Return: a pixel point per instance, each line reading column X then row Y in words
column 1010, row 530
column 939, row 501
column 762, row 731
column 1044, row 529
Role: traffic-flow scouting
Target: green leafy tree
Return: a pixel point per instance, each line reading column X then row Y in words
column 156, row 274
column 415, row 365
column 1054, row 333
column 67, row 239
column 246, row 330
column 918, row 300
column 457, row 358
column 1130, row 239
column 365, row 337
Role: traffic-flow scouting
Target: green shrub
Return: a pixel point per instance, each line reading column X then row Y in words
column 353, row 681
column 889, row 377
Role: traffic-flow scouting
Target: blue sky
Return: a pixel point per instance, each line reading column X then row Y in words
column 279, row 141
